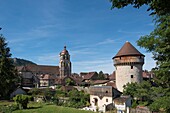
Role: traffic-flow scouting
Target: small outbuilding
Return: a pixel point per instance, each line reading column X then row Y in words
column 122, row 104
column 17, row 91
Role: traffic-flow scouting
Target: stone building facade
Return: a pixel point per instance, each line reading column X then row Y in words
column 128, row 63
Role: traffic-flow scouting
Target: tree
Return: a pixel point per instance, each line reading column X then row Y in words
column 22, row 100
column 157, row 42
column 101, row 76
column 8, row 73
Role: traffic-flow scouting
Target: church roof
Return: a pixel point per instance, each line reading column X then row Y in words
column 41, row 69
column 64, row 51
column 128, row 50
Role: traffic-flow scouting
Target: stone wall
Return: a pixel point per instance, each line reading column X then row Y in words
column 127, row 73
column 140, row 110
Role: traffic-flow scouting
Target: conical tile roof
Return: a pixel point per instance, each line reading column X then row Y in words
column 128, row 50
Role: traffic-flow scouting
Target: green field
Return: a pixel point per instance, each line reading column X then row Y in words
column 52, row 109
column 43, row 108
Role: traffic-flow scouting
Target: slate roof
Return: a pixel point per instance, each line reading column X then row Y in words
column 128, row 50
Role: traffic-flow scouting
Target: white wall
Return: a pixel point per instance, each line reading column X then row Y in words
column 101, row 102
column 124, row 72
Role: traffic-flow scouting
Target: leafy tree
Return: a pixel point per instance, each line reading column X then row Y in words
column 78, row 99
column 8, row 73
column 69, row 82
column 22, row 100
column 101, row 76
column 157, row 42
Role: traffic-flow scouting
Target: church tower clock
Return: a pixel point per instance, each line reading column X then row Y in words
column 65, row 64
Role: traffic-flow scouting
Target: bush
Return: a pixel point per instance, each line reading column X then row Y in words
column 8, row 108
column 22, row 100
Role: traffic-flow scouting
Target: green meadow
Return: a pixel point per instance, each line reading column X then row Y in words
column 40, row 108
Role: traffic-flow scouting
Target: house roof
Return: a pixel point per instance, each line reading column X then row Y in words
column 44, row 69
column 89, row 75
column 99, row 81
column 46, row 76
column 113, row 84
column 112, row 76
column 128, row 50
column 121, row 100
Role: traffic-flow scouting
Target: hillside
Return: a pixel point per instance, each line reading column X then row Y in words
column 21, row 62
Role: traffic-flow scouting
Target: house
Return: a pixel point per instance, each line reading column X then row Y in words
column 102, row 96
column 28, row 79
column 122, row 104
column 46, row 80
column 87, row 77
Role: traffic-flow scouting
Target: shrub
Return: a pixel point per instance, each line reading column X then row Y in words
column 22, row 100
column 8, row 108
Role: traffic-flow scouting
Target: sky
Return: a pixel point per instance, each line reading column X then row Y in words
column 38, row 30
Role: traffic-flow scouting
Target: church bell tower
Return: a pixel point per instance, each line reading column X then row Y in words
column 65, row 64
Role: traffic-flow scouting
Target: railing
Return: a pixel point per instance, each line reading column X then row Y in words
column 130, row 60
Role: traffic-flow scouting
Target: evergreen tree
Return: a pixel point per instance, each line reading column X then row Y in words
column 101, row 76
column 8, row 73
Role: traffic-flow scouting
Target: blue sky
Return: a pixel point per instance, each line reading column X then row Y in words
column 37, row 30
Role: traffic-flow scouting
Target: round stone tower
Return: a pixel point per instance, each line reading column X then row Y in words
column 128, row 63
column 65, row 64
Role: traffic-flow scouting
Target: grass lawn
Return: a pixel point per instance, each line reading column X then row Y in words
column 42, row 108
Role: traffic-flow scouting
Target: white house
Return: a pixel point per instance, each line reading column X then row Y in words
column 101, row 97
column 122, row 104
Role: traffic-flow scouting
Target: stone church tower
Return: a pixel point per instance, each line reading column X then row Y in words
column 65, row 64
column 128, row 63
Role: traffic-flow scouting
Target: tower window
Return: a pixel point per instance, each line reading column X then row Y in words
column 106, row 91
column 131, row 67
column 106, row 100
column 131, row 76
column 120, row 58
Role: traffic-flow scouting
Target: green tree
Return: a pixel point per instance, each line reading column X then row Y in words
column 69, row 82
column 101, row 76
column 22, row 100
column 8, row 73
column 157, row 42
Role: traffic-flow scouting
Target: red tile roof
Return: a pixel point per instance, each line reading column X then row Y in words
column 89, row 75
column 99, row 81
column 113, row 84
column 128, row 50
column 112, row 76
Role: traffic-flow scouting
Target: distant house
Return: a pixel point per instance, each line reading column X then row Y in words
column 102, row 96
column 87, row 77
column 31, row 75
column 147, row 75
column 28, row 79
column 46, row 80
column 122, row 104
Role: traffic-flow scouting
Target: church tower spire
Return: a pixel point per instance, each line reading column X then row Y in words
column 65, row 64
